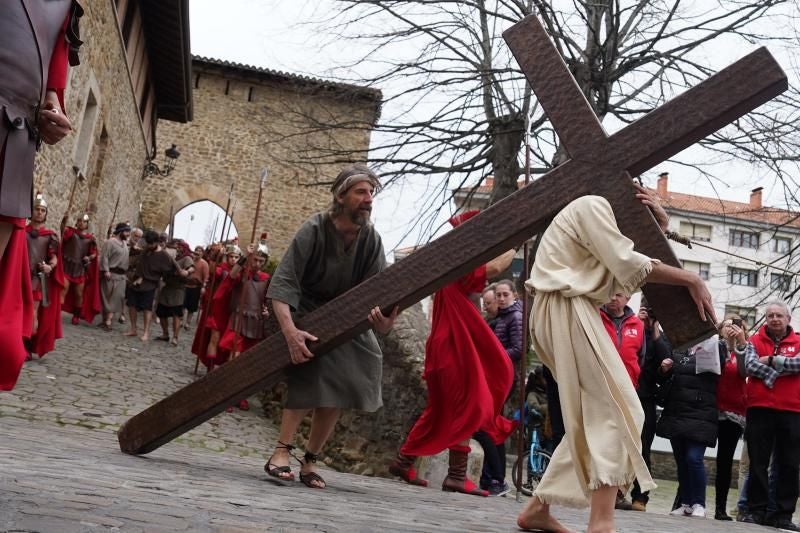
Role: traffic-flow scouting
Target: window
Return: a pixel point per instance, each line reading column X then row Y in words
column 780, row 282
column 701, row 269
column 698, row 232
column 748, row 314
column 742, row 276
column 744, row 239
column 781, row 245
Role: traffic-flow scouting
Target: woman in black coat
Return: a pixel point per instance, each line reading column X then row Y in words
column 689, row 420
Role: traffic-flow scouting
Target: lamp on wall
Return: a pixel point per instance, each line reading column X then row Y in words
column 171, row 156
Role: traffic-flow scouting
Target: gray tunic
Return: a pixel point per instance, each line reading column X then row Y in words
column 113, row 259
column 173, row 291
column 316, row 269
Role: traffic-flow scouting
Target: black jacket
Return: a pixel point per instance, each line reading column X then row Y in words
column 655, row 351
column 691, row 407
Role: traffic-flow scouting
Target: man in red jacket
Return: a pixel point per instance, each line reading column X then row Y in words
column 773, row 417
column 626, row 330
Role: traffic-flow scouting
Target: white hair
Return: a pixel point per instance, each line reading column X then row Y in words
column 778, row 303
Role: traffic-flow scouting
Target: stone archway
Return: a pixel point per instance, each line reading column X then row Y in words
column 180, row 197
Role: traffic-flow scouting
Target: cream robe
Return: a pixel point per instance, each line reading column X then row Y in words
column 582, row 261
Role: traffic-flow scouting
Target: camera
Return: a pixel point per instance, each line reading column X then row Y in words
column 651, row 313
column 737, row 322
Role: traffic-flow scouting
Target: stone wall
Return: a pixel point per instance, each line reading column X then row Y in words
column 364, row 443
column 108, row 145
column 662, row 465
column 243, row 123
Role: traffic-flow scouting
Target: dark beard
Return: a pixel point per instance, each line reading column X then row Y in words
column 359, row 217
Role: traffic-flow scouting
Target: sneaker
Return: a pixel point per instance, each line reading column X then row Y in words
column 498, row 488
column 622, row 503
column 786, row 525
column 698, row 511
column 638, row 506
column 683, row 510
column 749, row 518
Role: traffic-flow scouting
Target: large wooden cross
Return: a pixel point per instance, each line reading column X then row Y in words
column 598, row 164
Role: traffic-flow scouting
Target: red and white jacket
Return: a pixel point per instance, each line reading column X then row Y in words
column 785, row 393
column 629, row 341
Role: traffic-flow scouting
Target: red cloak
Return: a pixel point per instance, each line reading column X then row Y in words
column 91, row 306
column 49, row 318
column 16, row 301
column 218, row 310
column 467, row 371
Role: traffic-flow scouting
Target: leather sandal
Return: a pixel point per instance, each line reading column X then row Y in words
column 276, row 471
column 311, row 480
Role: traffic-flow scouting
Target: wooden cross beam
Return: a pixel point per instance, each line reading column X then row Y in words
column 599, row 164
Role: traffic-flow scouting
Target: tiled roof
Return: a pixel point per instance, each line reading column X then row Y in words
column 277, row 75
column 729, row 209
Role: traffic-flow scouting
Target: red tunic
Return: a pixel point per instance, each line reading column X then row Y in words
column 467, row 372
column 208, row 322
column 229, row 338
column 49, row 318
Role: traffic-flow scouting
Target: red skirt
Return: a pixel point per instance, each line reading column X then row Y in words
column 16, row 301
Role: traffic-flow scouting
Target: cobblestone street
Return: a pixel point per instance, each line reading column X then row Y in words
column 61, row 469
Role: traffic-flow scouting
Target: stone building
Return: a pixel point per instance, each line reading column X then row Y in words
column 246, row 119
column 135, row 69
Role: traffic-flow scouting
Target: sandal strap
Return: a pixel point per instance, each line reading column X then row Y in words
column 310, row 457
column 289, row 447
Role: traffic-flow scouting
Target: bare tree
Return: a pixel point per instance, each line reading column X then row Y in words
column 456, row 105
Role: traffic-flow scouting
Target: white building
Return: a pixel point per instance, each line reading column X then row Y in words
column 753, row 252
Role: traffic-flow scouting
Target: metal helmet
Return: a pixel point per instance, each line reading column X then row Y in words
column 233, row 249
column 262, row 250
column 39, row 201
column 85, row 217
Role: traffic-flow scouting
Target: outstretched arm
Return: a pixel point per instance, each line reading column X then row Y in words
column 499, row 264
column 670, row 275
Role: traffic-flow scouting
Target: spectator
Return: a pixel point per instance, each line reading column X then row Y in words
column 731, row 402
column 773, row 417
column 489, row 304
column 627, row 333
column 689, row 421
column 656, row 349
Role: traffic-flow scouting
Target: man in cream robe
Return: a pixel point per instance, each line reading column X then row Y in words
column 583, row 259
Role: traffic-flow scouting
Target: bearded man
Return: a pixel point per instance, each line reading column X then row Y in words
column 81, row 295
column 113, row 269
column 47, row 280
column 332, row 252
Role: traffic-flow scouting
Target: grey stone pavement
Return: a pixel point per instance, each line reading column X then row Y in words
column 61, row 469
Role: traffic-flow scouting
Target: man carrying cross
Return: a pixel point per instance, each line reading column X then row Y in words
column 332, row 252
column 582, row 260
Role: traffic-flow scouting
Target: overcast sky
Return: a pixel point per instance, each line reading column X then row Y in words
column 272, row 34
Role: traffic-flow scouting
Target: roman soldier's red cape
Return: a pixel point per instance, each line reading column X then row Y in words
column 91, row 291
column 49, row 317
column 468, row 373
column 218, row 312
column 16, row 302
column 229, row 338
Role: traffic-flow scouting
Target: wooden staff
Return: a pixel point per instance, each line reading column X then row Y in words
column 228, row 206
column 113, row 216
column 69, row 203
column 264, row 174
column 214, row 230
column 171, row 222
column 233, row 211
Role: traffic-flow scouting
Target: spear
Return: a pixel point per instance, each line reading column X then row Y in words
column 113, row 216
column 233, row 210
column 214, row 230
column 69, row 203
column 171, row 222
column 228, row 206
column 264, row 174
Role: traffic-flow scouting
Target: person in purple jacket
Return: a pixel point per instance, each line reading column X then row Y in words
column 507, row 326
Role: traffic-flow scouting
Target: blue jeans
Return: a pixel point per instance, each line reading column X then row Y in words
column 691, row 470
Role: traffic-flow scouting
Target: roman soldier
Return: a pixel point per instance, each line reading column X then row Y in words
column 81, row 294
column 47, row 280
column 216, row 313
column 248, row 303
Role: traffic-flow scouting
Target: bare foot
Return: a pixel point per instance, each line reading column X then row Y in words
column 536, row 517
column 309, row 468
column 145, row 337
column 601, row 527
column 130, row 334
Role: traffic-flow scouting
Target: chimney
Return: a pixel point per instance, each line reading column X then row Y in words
column 755, row 198
column 661, row 189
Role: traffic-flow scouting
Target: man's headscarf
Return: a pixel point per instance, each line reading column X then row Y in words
column 350, row 176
